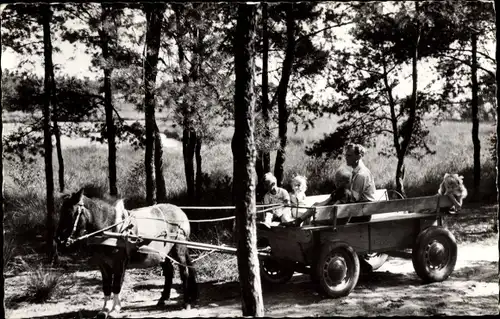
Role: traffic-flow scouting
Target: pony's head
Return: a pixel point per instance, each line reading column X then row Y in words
column 74, row 218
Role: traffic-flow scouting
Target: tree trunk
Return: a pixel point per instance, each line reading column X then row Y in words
column 2, row 280
column 199, row 171
column 408, row 131
column 48, row 85
column 497, row 56
column 188, row 150
column 265, row 83
column 400, row 176
column 283, row 88
column 188, row 134
column 60, row 159
column 263, row 164
column 161, row 189
column 108, row 98
column 475, row 119
column 154, row 16
column 243, row 148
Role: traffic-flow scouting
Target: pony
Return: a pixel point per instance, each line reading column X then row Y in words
column 81, row 215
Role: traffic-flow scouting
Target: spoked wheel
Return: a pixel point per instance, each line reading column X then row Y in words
column 337, row 269
column 435, row 254
column 275, row 272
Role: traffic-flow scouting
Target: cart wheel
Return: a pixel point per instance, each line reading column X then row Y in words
column 337, row 269
column 376, row 260
column 274, row 272
column 435, row 254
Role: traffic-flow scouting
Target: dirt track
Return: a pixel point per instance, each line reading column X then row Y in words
column 393, row 290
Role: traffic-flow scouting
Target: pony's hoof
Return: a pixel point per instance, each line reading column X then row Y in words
column 102, row 315
column 115, row 314
column 161, row 303
column 187, row 306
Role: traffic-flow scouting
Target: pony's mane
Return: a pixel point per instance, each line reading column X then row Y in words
column 94, row 192
column 102, row 210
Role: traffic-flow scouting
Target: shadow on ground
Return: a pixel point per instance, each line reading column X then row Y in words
column 81, row 314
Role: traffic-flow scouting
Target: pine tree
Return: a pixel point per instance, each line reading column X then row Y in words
column 244, row 162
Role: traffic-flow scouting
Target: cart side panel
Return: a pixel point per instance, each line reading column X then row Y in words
column 379, row 237
column 393, row 235
column 357, row 236
column 290, row 244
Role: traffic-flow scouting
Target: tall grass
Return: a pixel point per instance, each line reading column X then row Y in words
column 42, row 283
column 25, row 183
column 9, row 251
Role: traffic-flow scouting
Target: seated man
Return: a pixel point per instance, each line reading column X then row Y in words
column 276, row 195
column 363, row 184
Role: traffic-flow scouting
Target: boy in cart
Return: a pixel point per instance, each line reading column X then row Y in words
column 276, row 195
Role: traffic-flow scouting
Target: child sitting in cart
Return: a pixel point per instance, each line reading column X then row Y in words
column 298, row 196
column 276, row 195
column 341, row 195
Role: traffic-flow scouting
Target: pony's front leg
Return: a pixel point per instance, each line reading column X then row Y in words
column 168, row 273
column 118, row 277
column 106, row 287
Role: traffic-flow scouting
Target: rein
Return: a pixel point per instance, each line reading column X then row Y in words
column 80, row 210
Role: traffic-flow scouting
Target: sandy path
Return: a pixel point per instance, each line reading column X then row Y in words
column 393, row 290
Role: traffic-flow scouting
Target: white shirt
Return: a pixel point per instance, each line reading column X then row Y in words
column 281, row 197
column 363, row 184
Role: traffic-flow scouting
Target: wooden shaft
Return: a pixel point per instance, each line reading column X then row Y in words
column 181, row 242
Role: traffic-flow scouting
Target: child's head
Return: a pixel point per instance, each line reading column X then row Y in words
column 453, row 183
column 343, row 178
column 299, row 184
column 270, row 183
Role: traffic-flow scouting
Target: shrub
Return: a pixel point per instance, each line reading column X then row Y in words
column 9, row 250
column 25, row 213
column 42, row 283
column 217, row 188
column 492, row 141
column 217, row 266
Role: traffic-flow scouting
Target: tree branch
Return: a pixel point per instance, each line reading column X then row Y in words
column 478, row 52
column 322, row 30
column 392, row 106
column 469, row 64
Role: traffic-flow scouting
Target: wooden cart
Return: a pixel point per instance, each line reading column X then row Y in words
column 330, row 253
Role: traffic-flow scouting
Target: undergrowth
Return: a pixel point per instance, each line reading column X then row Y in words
column 42, row 283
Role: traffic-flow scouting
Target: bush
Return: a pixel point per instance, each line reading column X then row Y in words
column 42, row 283
column 9, row 250
column 492, row 141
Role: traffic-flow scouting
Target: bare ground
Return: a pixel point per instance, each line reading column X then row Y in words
column 392, row 290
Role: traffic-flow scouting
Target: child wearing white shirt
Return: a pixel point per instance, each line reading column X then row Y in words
column 276, row 195
column 298, row 197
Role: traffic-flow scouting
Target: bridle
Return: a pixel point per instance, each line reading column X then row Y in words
column 71, row 239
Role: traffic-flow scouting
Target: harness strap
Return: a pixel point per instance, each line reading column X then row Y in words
column 162, row 254
column 80, row 210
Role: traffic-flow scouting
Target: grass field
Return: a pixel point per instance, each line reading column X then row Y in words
column 25, row 182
